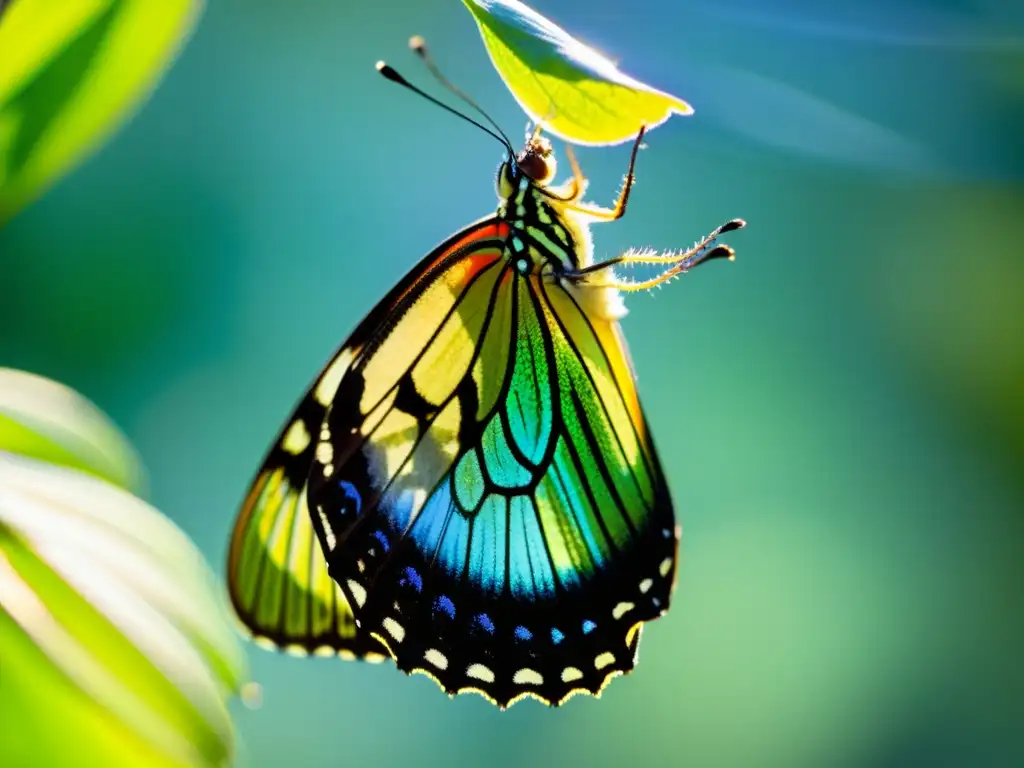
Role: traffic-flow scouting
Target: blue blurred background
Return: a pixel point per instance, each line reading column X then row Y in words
column 840, row 412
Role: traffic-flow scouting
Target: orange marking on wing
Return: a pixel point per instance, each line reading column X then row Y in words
column 464, row 271
column 471, row 265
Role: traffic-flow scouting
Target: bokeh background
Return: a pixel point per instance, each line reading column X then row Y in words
column 840, row 412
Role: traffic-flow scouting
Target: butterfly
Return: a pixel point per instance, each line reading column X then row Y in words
column 469, row 486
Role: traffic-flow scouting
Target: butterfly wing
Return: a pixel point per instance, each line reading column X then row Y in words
column 486, row 493
column 277, row 576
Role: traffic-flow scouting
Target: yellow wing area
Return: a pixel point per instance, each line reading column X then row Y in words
column 278, row 579
column 277, row 576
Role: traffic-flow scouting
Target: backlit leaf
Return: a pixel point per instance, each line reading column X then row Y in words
column 564, row 85
column 45, row 420
column 115, row 647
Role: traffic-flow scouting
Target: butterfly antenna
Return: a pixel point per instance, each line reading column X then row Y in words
column 389, row 72
column 419, row 47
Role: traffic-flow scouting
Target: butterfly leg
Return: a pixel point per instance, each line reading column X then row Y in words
column 619, row 209
column 676, row 264
column 579, row 181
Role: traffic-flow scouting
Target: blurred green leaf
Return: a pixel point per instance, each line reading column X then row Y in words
column 71, row 73
column 562, row 84
column 45, row 420
column 109, row 622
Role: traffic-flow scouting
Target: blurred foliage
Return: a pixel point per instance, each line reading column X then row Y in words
column 562, row 84
column 45, row 420
column 951, row 304
column 69, row 73
column 110, row 620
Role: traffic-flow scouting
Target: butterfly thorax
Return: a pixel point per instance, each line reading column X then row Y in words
column 540, row 240
column 548, row 237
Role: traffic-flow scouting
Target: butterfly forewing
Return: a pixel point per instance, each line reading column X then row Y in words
column 277, row 576
column 486, row 492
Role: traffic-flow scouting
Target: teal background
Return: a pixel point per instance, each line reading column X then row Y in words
column 840, row 412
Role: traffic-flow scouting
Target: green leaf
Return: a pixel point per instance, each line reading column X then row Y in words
column 45, row 420
column 110, row 626
column 71, row 73
column 570, row 89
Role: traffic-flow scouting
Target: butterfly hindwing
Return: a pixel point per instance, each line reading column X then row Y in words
column 485, row 489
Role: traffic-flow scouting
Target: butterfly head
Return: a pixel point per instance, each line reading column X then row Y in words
column 535, row 164
column 537, row 160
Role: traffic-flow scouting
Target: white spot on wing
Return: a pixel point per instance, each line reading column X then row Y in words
column 394, row 628
column 665, row 567
column 480, row 672
column 569, row 674
column 324, row 453
column 296, row 439
column 622, row 609
column 527, row 677
column 358, row 593
column 436, row 658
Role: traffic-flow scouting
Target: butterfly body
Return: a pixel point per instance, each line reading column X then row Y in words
column 551, row 232
column 476, row 467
